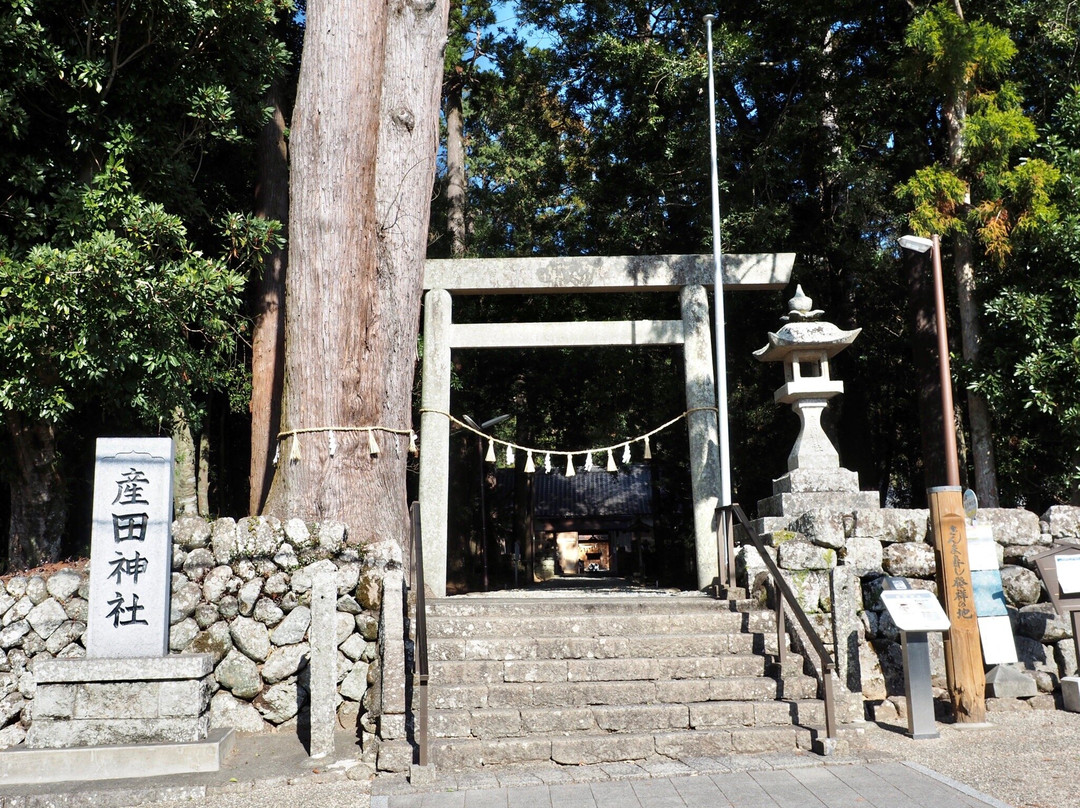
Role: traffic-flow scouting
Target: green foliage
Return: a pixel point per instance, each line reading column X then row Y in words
column 125, row 150
column 982, row 189
column 1034, row 382
column 127, row 312
column 954, row 54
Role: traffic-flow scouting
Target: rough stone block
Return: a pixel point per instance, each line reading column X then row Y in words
column 394, row 756
column 183, row 698
column 51, row 733
column 53, row 701
column 794, row 504
column 63, row 585
column 803, row 481
column 1040, row 621
column 558, row 722
column 863, row 554
column 13, row 634
column 892, row 524
column 683, row 745
column 228, row 711
column 1070, row 693
column 1005, row 682
column 46, row 617
column 608, row 670
column 114, row 699
column 187, row 666
column 822, row 527
column 293, row 628
column 1063, row 522
column 1022, row 587
column 800, row 555
column 642, row 717
column 532, row 670
column 908, row 560
column 495, row 723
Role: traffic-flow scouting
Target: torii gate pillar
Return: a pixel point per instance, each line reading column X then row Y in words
column 686, row 274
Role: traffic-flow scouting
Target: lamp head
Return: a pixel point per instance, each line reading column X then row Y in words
column 916, row 243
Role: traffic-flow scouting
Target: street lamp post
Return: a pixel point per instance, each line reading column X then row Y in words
column 963, row 652
column 725, row 534
column 498, row 419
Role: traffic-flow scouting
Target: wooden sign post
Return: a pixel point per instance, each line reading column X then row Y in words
column 963, row 653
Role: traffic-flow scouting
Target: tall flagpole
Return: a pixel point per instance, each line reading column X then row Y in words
column 724, row 489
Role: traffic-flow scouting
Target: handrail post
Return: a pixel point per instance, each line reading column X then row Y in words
column 781, row 632
column 420, row 649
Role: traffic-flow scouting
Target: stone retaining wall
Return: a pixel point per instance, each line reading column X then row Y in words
column 240, row 592
column 835, row 562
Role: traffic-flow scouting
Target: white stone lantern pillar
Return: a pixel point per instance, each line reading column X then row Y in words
column 805, row 346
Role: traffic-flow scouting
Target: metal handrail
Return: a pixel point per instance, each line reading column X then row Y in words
column 420, row 647
column 828, row 667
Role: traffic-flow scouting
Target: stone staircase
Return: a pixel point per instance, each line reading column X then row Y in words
column 592, row 678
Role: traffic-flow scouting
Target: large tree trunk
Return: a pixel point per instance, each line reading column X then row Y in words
column 334, row 143
column 982, row 446
column 268, row 334
column 408, row 145
column 364, row 129
column 982, row 439
column 185, row 467
column 455, row 168
column 39, row 505
column 921, row 321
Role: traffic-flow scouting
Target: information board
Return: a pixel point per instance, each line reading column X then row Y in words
column 915, row 610
column 1068, row 572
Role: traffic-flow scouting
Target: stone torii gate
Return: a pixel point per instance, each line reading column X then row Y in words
column 687, row 274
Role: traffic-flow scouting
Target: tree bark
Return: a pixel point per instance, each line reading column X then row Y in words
column 982, row 439
column 405, row 177
column 364, row 139
column 332, row 254
column 455, row 168
column 268, row 333
column 39, row 506
column 185, row 473
column 920, row 283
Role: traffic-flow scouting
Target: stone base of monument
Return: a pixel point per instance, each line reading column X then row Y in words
column 802, row 490
column 21, row 766
column 92, row 715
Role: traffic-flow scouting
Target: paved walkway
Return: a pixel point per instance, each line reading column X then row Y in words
column 744, row 782
column 269, row 771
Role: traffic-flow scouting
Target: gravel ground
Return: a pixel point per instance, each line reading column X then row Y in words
column 1028, row 759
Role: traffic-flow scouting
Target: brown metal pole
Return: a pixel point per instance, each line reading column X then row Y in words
column 963, row 650
column 952, row 469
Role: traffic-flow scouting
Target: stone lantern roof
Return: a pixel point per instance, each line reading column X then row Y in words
column 805, row 333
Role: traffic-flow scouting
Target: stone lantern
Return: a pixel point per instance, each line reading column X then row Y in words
column 805, row 345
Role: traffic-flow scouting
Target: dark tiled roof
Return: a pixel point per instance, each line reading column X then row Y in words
column 595, row 493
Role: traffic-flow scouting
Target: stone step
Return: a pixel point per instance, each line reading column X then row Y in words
column 599, row 625
column 684, row 603
column 524, row 695
column 582, row 748
column 588, row 647
column 508, row 723
column 605, row 669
